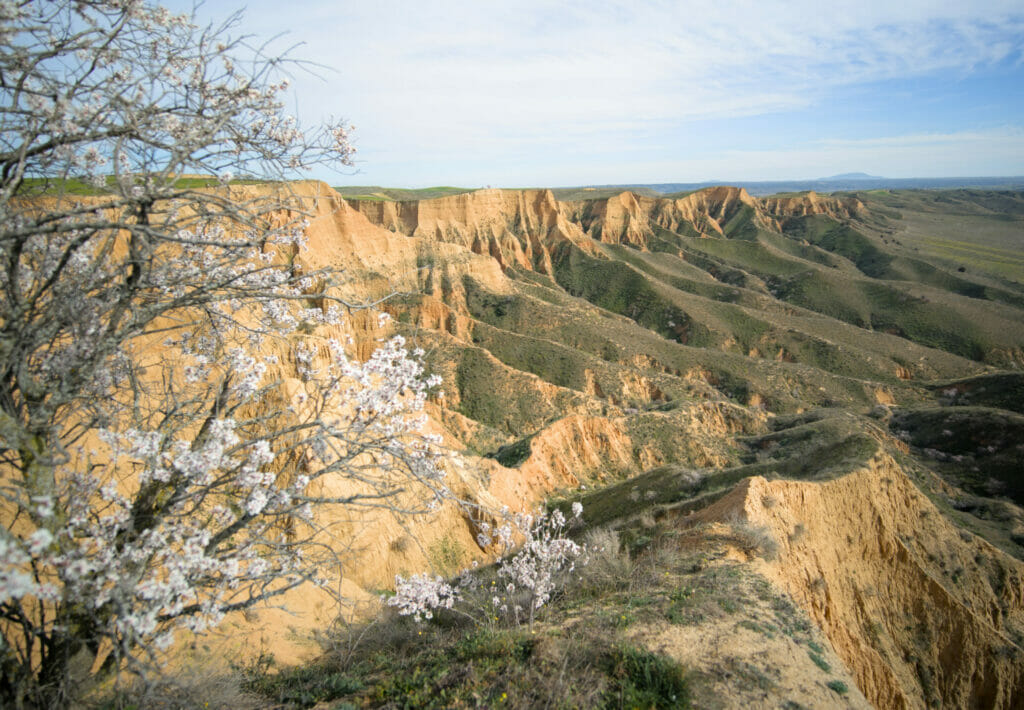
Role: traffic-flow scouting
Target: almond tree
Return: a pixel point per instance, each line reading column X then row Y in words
column 538, row 568
column 153, row 471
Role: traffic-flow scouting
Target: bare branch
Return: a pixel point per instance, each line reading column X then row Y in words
column 155, row 471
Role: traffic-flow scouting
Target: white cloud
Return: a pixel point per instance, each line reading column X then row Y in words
column 473, row 60
column 458, row 80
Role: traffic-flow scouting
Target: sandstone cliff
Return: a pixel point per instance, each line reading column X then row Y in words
column 921, row 612
column 585, row 343
column 516, row 226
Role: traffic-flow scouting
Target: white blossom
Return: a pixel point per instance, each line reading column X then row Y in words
column 145, row 315
column 541, row 564
column 421, row 594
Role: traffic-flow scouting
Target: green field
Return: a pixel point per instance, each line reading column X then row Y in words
column 980, row 231
column 375, row 193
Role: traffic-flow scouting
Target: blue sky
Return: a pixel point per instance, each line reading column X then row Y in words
column 537, row 93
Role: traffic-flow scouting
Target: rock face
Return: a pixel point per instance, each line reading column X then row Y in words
column 513, row 228
column 520, row 227
column 922, row 613
column 583, row 343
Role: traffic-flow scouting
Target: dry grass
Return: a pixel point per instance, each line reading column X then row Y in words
column 608, row 567
column 189, row 686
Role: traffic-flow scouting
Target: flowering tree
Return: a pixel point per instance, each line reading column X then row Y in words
column 547, row 555
column 154, row 471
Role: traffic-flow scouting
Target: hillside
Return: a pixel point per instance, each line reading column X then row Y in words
column 834, row 372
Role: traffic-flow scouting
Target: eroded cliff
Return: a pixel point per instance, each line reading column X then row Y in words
column 587, row 343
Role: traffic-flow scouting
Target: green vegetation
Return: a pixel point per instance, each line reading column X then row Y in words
column 978, row 230
column 1003, row 390
column 507, row 401
column 302, row 686
column 741, row 224
column 574, row 194
column 838, row 686
column 646, row 680
column 435, row 667
column 393, row 194
column 31, row 187
column 819, row 661
column 587, row 648
column 553, row 362
column 446, row 555
column 929, row 318
column 841, row 239
column 976, row 447
column 513, row 454
column 817, row 445
column 814, row 324
column 616, row 287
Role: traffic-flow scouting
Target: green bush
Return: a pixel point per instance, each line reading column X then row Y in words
column 302, row 686
column 642, row 679
column 838, row 686
column 819, row 661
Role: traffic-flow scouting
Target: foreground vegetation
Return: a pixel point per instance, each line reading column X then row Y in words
column 590, row 648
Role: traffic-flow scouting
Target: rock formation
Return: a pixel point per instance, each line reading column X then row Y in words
column 713, row 336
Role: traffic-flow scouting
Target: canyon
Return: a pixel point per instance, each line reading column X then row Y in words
column 819, row 368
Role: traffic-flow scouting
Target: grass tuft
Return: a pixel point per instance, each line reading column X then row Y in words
column 838, row 686
column 646, row 680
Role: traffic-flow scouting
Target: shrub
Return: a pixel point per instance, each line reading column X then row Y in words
column 838, row 686
column 646, row 680
column 534, row 572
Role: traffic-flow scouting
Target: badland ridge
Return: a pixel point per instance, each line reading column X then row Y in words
column 833, row 376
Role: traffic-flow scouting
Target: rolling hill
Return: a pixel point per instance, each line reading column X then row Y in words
column 839, row 373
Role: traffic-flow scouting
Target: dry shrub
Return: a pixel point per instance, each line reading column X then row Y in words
column 608, row 566
column 194, row 685
column 755, row 539
column 748, row 537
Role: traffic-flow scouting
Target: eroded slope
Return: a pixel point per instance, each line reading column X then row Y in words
column 718, row 353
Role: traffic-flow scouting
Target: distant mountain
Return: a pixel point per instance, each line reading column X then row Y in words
column 853, row 176
column 837, row 183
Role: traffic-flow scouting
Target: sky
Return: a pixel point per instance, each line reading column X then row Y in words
column 545, row 94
